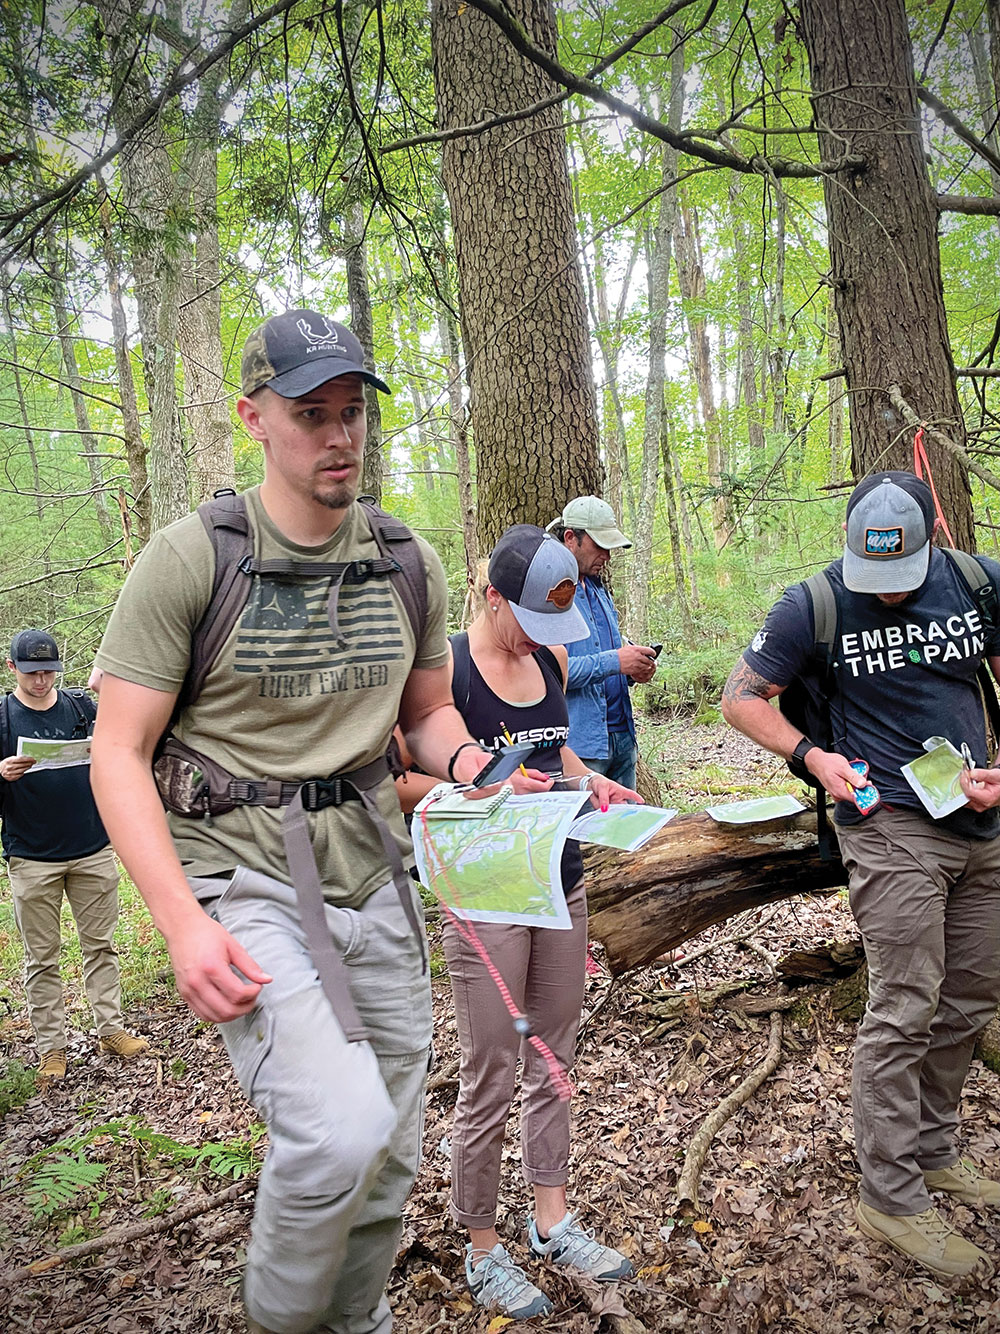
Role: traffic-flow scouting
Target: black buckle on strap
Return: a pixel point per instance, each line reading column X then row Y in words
column 318, row 793
column 363, row 569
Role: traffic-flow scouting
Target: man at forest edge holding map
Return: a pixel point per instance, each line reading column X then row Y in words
column 925, row 893
column 55, row 844
column 309, row 682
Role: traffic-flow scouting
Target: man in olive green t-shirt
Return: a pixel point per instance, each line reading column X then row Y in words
column 296, row 692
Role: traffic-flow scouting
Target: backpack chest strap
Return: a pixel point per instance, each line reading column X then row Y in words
column 338, row 572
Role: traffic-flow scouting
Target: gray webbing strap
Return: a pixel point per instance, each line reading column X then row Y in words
column 309, row 892
column 312, row 913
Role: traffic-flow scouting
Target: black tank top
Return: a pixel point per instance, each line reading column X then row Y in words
column 545, row 723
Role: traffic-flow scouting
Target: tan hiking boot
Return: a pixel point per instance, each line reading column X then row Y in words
column 53, row 1064
column 124, row 1045
column 926, row 1238
column 963, row 1181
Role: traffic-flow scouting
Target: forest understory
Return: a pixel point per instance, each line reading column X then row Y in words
column 773, row 1245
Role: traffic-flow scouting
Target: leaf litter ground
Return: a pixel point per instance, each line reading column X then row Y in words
column 773, row 1247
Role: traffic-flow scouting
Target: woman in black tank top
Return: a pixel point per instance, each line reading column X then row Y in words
column 505, row 681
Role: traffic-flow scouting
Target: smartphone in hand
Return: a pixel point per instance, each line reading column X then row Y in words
column 504, row 763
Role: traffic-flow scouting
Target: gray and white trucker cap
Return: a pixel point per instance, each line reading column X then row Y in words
column 537, row 575
column 890, row 523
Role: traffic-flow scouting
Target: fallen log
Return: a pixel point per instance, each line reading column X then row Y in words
column 694, row 873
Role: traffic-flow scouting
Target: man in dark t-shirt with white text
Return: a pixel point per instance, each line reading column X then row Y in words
column 925, row 892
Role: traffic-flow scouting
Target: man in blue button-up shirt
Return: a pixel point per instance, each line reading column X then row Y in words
column 601, row 729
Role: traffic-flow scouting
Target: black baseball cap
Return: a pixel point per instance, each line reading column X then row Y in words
column 537, row 575
column 890, row 524
column 300, row 350
column 34, row 651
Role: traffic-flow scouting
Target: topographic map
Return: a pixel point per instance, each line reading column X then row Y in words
column 504, row 868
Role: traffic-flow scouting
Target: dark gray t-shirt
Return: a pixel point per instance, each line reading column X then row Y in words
column 904, row 673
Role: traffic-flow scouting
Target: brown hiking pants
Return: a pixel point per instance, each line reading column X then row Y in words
column 545, row 971
column 928, row 905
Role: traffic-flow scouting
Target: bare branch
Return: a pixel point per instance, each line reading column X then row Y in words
column 59, row 195
column 947, row 116
column 912, row 419
column 463, row 131
column 516, row 35
column 982, row 205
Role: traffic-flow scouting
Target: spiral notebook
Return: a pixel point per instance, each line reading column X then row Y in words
column 446, row 802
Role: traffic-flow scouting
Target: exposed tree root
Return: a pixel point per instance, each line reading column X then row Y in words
column 694, row 1159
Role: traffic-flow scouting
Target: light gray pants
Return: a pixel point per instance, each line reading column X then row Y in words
column 344, row 1119
column 545, row 971
column 928, row 906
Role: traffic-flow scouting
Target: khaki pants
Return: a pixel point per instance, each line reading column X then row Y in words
column 91, row 886
column 344, row 1119
column 928, row 906
column 545, row 971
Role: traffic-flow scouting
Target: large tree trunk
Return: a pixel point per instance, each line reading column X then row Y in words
column 534, row 415
column 695, row 873
column 882, row 222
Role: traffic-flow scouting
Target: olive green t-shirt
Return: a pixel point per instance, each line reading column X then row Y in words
column 283, row 699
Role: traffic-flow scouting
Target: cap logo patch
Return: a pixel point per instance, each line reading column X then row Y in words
column 883, row 541
column 324, row 342
column 562, row 595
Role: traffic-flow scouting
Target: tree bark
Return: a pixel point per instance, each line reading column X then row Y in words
column 533, row 408
column 885, row 261
column 695, row 873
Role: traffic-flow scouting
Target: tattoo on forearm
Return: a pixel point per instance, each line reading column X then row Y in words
column 745, row 683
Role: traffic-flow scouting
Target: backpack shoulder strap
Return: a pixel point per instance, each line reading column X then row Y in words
column 228, row 527
column 4, row 725
column 83, row 705
column 396, row 541
column 824, row 604
column 981, row 587
column 983, row 592
column 461, row 675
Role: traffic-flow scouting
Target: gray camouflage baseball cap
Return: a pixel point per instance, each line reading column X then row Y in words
column 298, row 351
column 537, row 575
column 890, row 524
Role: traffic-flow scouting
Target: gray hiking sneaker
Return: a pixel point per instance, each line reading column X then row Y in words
column 576, row 1247
column 495, row 1281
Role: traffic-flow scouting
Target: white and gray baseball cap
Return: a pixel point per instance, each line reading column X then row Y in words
column 597, row 519
column 537, row 575
column 890, row 524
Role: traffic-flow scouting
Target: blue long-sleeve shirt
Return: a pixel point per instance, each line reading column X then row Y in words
column 596, row 690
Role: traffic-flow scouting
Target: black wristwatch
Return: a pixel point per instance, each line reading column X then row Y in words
column 802, row 749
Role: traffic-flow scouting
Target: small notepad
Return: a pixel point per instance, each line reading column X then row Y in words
column 446, row 802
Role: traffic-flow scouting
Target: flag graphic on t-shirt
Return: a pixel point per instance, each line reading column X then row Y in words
column 285, row 626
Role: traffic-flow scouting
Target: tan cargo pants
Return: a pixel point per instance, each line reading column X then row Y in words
column 928, row 905
column 91, row 886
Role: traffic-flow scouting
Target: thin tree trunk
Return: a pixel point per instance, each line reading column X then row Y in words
column 676, row 549
column 458, row 427
column 135, row 446
column 691, row 276
column 659, row 300
column 835, row 398
column 199, row 329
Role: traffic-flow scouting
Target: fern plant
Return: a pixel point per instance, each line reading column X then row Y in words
column 56, row 1184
